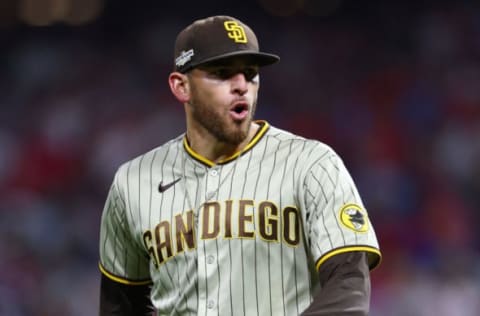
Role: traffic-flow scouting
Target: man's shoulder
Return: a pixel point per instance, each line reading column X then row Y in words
column 298, row 142
column 156, row 154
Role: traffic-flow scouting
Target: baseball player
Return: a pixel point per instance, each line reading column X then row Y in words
column 235, row 216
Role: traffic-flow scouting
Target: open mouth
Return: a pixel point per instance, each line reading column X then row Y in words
column 239, row 111
column 239, row 108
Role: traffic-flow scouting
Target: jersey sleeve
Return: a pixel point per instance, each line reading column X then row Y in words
column 122, row 259
column 336, row 220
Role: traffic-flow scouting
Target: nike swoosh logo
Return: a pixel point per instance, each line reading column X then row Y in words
column 162, row 188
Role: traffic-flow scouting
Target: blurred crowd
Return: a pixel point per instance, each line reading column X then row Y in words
column 395, row 91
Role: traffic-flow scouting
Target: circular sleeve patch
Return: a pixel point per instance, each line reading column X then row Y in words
column 354, row 217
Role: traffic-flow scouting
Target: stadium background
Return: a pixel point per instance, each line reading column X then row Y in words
column 393, row 86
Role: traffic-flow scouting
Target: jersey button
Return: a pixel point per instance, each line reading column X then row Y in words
column 210, row 304
column 210, row 195
column 210, row 259
column 214, row 173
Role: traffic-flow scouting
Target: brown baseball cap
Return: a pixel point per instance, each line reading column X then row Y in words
column 216, row 38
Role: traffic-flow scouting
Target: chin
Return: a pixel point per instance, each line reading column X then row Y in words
column 238, row 136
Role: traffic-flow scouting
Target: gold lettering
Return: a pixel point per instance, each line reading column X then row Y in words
column 207, row 231
column 235, row 31
column 243, row 219
column 147, row 241
column 271, row 224
column 268, row 221
column 164, row 241
column 228, row 219
column 184, row 231
column 291, row 226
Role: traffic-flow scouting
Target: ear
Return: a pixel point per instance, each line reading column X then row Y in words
column 179, row 86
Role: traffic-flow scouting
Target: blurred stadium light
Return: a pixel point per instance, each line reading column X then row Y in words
column 46, row 12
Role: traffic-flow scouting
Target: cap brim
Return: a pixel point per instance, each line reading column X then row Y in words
column 257, row 58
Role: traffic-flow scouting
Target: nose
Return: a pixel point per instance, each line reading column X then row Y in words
column 239, row 83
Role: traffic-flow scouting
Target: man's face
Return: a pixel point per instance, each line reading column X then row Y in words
column 223, row 99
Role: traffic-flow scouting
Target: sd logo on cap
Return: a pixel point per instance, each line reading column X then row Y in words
column 214, row 38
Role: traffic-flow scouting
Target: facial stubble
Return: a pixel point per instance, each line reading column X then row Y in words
column 217, row 122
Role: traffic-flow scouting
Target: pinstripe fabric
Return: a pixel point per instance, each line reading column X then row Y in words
column 242, row 237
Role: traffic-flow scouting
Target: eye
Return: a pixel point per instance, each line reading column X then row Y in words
column 225, row 73
column 222, row 73
column 250, row 73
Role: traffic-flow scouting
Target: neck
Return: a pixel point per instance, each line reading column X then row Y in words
column 214, row 150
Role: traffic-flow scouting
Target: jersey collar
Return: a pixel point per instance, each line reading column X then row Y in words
column 264, row 126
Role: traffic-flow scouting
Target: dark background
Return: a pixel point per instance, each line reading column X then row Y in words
column 393, row 87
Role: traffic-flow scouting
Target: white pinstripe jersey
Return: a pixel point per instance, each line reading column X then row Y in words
column 241, row 237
